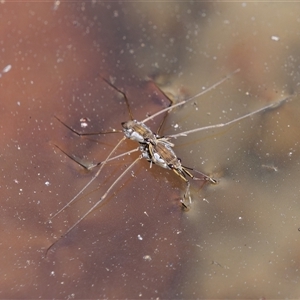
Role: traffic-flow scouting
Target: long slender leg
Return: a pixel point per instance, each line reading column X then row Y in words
column 86, row 134
column 186, row 196
column 185, row 133
column 204, row 176
column 182, row 172
column 193, row 97
column 122, row 93
column 107, row 131
column 88, row 184
column 99, row 163
column 97, row 203
column 171, row 102
column 72, row 158
column 187, row 200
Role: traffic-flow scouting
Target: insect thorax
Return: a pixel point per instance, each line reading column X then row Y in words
column 138, row 131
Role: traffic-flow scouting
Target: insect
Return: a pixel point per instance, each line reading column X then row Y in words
column 156, row 149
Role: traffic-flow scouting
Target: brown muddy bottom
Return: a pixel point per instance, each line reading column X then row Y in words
column 239, row 239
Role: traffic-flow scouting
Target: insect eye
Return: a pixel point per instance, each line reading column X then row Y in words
column 179, row 159
column 171, row 166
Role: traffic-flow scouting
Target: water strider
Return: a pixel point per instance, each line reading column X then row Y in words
column 154, row 148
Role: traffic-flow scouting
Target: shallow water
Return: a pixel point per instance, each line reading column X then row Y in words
column 239, row 239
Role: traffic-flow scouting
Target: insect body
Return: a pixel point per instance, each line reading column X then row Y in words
column 139, row 132
column 162, row 154
column 156, row 149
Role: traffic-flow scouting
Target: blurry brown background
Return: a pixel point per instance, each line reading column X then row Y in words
column 241, row 237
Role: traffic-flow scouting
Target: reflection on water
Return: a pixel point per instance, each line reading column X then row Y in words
column 240, row 237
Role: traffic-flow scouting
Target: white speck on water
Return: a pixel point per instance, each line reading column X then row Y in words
column 147, row 257
column 275, row 38
column 84, row 122
column 6, row 69
column 56, row 5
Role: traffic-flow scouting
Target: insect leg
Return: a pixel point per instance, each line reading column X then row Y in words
column 88, row 184
column 98, row 163
column 97, row 203
column 187, row 195
column 203, row 176
column 122, row 93
column 185, row 133
column 193, row 97
column 86, row 134
column 182, row 172
column 171, row 103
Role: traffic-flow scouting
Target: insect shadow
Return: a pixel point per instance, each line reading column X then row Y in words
column 156, row 149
